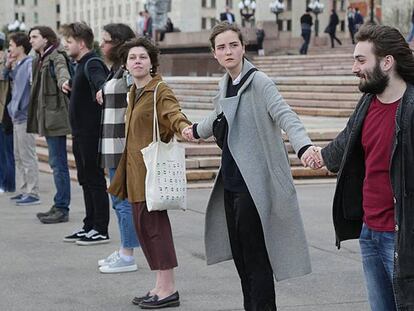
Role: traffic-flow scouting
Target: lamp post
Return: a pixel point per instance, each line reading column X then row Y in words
column 247, row 11
column 16, row 26
column 316, row 8
column 277, row 7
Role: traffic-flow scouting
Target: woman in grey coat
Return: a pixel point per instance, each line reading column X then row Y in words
column 253, row 214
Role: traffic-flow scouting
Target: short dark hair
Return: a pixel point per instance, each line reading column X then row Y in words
column 21, row 39
column 147, row 44
column 79, row 31
column 388, row 40
column 47, row 33
column 223, row 27
column 120, row 33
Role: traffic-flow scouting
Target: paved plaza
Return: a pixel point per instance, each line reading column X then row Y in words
column 40, row 272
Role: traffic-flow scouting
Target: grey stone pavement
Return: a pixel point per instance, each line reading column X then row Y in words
column 40, row 272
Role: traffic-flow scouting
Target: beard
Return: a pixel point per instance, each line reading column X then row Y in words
column 375, row 81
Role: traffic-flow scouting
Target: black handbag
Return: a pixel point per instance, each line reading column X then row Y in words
column 220, row 129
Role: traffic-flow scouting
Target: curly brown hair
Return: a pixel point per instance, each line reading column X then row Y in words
column 147, row 44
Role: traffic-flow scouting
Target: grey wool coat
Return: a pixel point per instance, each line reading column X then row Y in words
column 255, row 119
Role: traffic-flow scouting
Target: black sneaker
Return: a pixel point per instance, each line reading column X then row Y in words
column 77, row 235
column 59, row 215
column 51, row 211
column 93, row 237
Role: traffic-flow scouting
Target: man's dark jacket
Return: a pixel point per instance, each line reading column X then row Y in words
column 345, row 156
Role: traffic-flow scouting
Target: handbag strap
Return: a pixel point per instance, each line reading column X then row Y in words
column 155, row 126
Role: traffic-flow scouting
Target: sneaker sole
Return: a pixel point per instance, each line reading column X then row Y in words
column 131, row 268
column 70, row 240
column 45, row 221
column 164, row 305
column 28, row 204
column 82, row 243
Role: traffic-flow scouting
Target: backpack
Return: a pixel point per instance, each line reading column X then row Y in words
column 86, row 73
column 69, row 64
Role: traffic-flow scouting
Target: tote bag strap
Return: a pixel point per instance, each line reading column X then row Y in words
column 155, row 125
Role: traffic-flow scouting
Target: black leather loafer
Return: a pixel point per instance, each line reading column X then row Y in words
column 137, row 300
column 155, row 303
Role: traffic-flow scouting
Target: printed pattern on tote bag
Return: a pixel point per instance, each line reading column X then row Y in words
column 171, row 181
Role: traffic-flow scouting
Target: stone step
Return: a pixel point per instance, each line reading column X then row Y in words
column 304, row 57
column 322, row 112
column 339, row 72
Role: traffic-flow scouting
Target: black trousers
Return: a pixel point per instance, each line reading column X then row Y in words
column 249, row 252
column 92, row 179
column 333, row 39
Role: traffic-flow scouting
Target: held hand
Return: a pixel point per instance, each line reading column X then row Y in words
column 311, row 158
column 319, row 156
column 188, row 133
column 66, row 87
column 99, row 97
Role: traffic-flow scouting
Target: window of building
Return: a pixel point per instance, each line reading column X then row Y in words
column 229, row 3
column 289, row 25
column 23, row 18
column 342, row 26
column 111, row 11
column 57, row 24
column 203, row 23
column 289, row 5
column 35, row 18
column 35, row 2
column 22, row 2
column 280, row 25
column 119, row 10
column 213, row 4
column 212, row 22
column 16, row 16
column 128, row 9
column 203, row 3
column 104, row 12
column 96, row 14
column 58, row 8
column 16, row 2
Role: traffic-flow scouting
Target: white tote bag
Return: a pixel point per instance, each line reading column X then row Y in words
column 165, row 183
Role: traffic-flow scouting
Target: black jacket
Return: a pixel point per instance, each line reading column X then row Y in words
column 345, row 156
column 84, row 111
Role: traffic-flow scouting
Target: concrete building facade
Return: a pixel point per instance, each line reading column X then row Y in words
column 31, row 12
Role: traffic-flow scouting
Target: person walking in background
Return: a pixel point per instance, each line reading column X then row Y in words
column 7, row 165
column 227, row 15
column 153, row 228
column 113, row 98
column 306, row 26
column 48, row 114
column 147, row 32
column 351, row 23
column 358, row 19
column 140, row 23
column 331, row 28
column 85, row 119
column 24, row 143
column 253, row 214
column 374, row 159
column 260, row 35
column 410, row 36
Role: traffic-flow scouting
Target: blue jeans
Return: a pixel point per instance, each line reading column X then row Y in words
column 306, row 35
column 123, row 210
column 377, row 251
column 7, row 165
column 411, row 34
column 58, row 161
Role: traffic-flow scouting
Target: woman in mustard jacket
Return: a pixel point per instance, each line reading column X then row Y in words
column 153, row 228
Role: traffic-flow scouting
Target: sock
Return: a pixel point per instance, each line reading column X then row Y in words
column 126, row 258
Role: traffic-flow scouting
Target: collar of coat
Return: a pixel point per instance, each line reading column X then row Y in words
column 150, row 87
column 225, row 79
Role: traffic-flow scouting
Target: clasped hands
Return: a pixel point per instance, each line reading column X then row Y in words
column 313, row 158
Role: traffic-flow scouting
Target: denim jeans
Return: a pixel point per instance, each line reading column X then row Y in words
column 411, row 34
column 306, row 35
column 58, row 161
column 377, row 251
column 7, row 169
column 123, row 210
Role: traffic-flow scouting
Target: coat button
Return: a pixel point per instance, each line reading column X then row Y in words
column 396, row 228
column 395, row 200
column 396, row 255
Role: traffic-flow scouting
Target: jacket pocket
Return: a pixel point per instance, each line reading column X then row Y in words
column 56, row 120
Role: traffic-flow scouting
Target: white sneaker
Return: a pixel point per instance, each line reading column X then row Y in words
column 108, row 260
column 119, row 265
